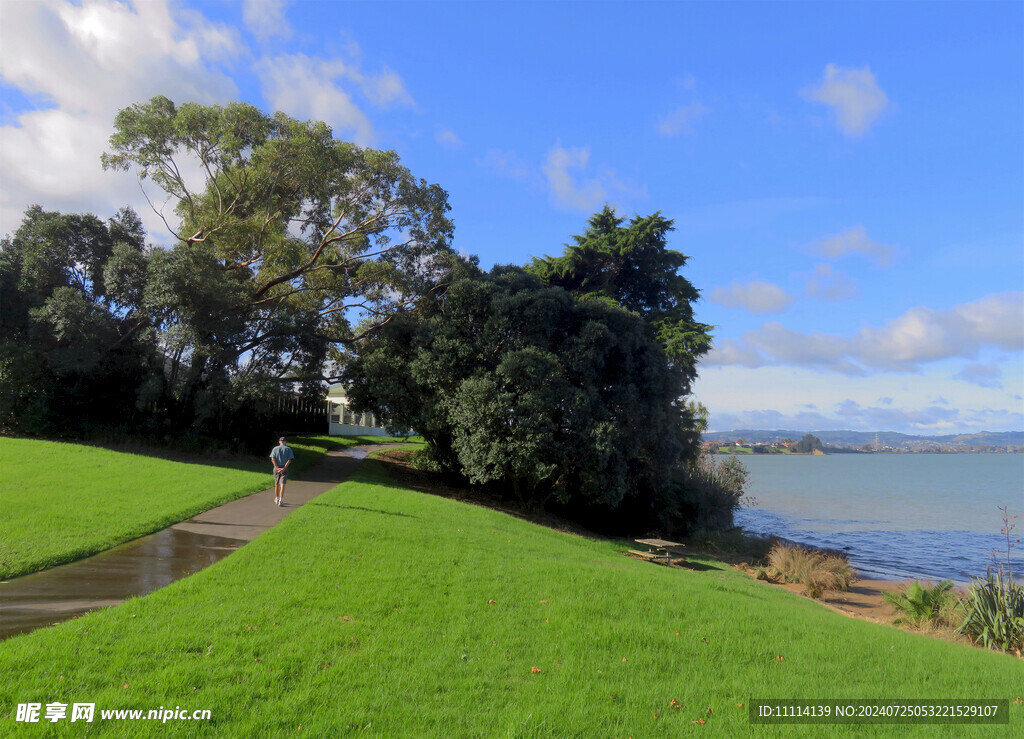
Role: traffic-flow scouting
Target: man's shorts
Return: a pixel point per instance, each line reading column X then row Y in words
column 280, row 476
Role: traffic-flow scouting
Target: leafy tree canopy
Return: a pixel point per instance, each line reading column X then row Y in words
column 73, row 330
column 515, row 382
column 314, row 226
column 632, row 265
column 808, row 444
column 285, row 237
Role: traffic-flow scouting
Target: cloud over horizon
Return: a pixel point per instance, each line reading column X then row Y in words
column 852, row 416
column 919, row 336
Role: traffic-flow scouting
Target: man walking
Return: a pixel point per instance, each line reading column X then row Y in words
column 280, row 456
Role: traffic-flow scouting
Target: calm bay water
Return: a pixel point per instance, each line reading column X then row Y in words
column 898, row 516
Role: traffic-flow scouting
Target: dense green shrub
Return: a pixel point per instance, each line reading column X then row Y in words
column 567, row 402
column 706, row 492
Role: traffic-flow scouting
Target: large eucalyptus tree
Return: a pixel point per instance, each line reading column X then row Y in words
column 285, row 238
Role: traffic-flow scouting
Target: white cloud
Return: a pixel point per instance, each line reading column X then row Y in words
column 778, row 397
column 757, row 297
column 853, row 241
column 306, row 88
column 827, row 284
column 87, row 61
column 569, row 191
column 919, row 336
column 925, row 335
column 385, row 89
column 573, row 187
column 266, row 18
column 309, row 87
column 786, row 346
column 854, row 96
column 727, row 352
column 505, row 163
column 982, row 375
column 448, row 139
column 681, row 120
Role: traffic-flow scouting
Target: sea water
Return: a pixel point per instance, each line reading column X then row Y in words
column 897, row 516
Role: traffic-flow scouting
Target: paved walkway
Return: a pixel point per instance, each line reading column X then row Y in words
column 246, row 518
column 141, row 566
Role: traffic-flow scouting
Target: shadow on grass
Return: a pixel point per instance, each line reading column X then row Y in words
column 308, row 451
column 360, row 508
column 693, row 566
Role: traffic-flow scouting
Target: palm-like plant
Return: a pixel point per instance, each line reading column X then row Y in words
column 919, row 604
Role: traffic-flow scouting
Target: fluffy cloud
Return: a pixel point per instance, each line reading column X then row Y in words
column 572, row 185
column 265, row 18
column 88, row 60
column 681, row 120
column 727, row 352
column 786, row 346
column 853, row 95
column 306, row 87
column 903, row 344
column 853, row 241
column 505, row 163
column 827, row 284
column 757, row 297
column 852, row 415
column 571, row 191
column 982, row 375
column 925, row 335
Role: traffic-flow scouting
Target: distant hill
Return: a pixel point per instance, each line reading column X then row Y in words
column 884, row 439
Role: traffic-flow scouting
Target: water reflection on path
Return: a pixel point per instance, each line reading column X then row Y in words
column 144, row 565
column 132, row 569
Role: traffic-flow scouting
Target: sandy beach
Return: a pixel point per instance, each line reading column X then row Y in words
column 863, row 600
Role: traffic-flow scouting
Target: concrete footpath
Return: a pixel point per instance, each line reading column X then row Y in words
column 151, row 562
column 246, row 518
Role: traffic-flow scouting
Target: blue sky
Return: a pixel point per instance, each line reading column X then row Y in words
column 847, row 178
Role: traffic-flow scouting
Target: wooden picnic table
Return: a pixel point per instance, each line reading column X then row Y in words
column 658, row 550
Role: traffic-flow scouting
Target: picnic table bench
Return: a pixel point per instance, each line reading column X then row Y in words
column 658, row 550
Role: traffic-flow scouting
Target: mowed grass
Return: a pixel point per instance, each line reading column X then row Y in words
column 61, row 502
column 375, row 610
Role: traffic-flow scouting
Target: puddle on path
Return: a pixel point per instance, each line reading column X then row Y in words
column 135, row 568
column 141, row 566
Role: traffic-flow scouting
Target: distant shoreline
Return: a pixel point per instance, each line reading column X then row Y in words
column 747, row 452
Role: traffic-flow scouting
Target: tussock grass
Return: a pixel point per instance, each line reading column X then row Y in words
column 817, row 571
column 378, row 610
column 62, row 501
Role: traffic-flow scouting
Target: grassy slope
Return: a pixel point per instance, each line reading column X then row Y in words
column 62, row 502
column 368, row 610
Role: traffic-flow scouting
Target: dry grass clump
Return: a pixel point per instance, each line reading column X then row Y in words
column 817, row 571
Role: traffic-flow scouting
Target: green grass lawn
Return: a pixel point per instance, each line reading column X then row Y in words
column 62, row 502
column 381, row 611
